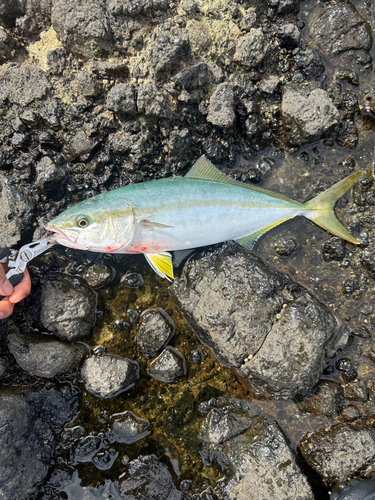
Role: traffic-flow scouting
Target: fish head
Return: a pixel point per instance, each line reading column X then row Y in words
column 93, row 225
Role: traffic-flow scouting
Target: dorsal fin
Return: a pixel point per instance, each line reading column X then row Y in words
column 204, row 170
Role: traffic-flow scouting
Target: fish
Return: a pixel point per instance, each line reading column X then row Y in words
column 178, row 213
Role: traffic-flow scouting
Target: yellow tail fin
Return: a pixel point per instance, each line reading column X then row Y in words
column 321, row 208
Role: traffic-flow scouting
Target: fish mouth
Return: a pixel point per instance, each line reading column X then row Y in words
column 68, row 235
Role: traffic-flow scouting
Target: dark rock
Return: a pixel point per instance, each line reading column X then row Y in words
column 168, row 366
column 249, row 20
column 20, row 140
column 82, row 28
column 333, row 249
column 7, row 43
column 269, row 84
column 22, row 84
column 109, row 375
column 308, row 62
column 132, row 280
column 306, row 119
column 9, row 11
column 289, row 36
column 251, row 49
column 221, row 108
column 285, row 245
column 340, row 28
column 153, row 102
column 197, row 356
column 193, row 77
column 149, row 478
column 284, row 6
column 264, row 465
column 128, row 428
column 98, row 275
column 356, row 390
column 31, row 422
column 180, row 143
column 50, row 177
column 68, row 309
column 29, row 118
column 338, row 452
column 246, row 314
column 42, row 356
column 171, row 47
column 222, row 424
column 155, row 331
column 86, row 84
column 78, row 146
column 121, row 99
column 327, row 400
column 5, row 364
column 16, row 212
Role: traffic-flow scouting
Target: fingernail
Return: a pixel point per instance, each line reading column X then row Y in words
column 7, row 287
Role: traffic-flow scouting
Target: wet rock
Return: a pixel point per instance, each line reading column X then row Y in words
column 264, row 465
column 251, row 49
column 82, row 28
column 68, row 309
column 78, row 146
column 22, row 84
column 86, row 84
column 171, row 47
column 98, row 275
column 153, row 102
column 340, row 28
column 308, row 118
column 333, row 249
column 289, row 36
column 50, row 177
column 255, row 320
column 221, row 108
column 155, row 331
column 194, row 77
column 338, row 452
column 285, row 245
column 168, row 366
column 109, row 375
column 42, row 356
column 16, row 212
column 132, row 280
column 327, row 400
column 284, row 6
column 128, row 428
column 308, row 62
column 121, row 99
column 269, row 84
column 31, row 422
column 180, row 143
column 6, row 45
column 222, row 424
column 149, row 478
column 356, row 390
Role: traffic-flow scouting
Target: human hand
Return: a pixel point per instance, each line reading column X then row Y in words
column 12, row 294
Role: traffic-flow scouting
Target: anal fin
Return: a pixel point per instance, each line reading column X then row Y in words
column 161, row 263
column 249, row 240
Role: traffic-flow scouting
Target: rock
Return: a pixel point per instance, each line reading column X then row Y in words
column 264, row 465
column 31, row 422
column 22, row 84
column 306, row 119
column 121, row 99
column 194, row 77
column 68, row 308
column 222, row 424
column 308, row 62
column 269, row 84
column 149, row 478
column 155, row 331
column 153, row 102
column 99, row 275
column 82, row 28
column 334, row 249
column 255, row 320
column 289, row 36
column 16, row 212
column 6, row 44
column 338, row 452
column 4, row 368
column 199, row 36
column 50, row 177
column 171, row 47
column 127, row 428
column 221, row 108
column 42, row 356
column 340, row 28
column 285, row 245
column 327, row 400
column 284, row 6
column 78, row 146
column 168, row 366
column 9, row 11
column 251, row 49
column 132, row 280
column 86, row 84
column 109, row 375
column 180, row 143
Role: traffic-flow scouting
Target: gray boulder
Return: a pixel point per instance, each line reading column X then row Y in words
column 42, row 356
column 109, row 375
column 68, row 308
column 308, row 118
column 256, row 320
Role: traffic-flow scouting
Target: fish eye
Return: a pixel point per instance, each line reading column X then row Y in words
column 82, row 222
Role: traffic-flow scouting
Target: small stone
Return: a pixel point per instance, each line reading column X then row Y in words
column 168, row 366
column 269, row 84
column 121, row 99
column 221, row 108
column 155, row 331
column 128, row 428
column 285, row 245
column 251, row 49
column 50, row 177
column 222, row 424
column 193, row 77
column 132, row 280
column 109, row 375
column 78, row 146
column 290, row 36
column 86, row 83
column 153, row 102
column 333, row 249
column 356, row 390
column 98, row 275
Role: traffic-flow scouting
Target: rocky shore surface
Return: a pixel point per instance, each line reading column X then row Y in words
column 251, row 376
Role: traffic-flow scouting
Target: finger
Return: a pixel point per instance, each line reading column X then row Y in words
column 6, row 308
column 6, row 287
column 21, row 290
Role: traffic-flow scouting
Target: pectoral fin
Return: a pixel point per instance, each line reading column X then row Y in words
column 154, row 225
column 161, row 263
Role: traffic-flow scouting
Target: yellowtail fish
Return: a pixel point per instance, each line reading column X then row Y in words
column 202, row 208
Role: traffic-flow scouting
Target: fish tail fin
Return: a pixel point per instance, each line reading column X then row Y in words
column 321, row 208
